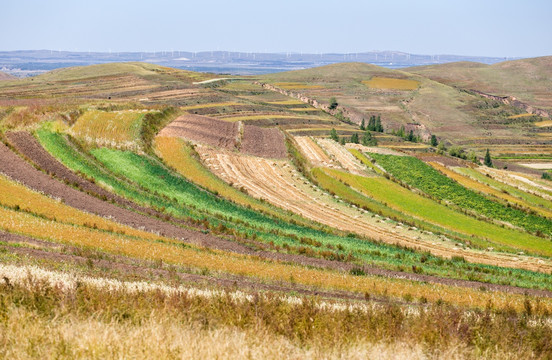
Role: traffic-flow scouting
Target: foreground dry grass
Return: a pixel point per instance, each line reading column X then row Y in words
column 27, row 335
column 39, row 318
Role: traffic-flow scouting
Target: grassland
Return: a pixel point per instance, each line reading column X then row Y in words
column 115, row 129
column 378, row 82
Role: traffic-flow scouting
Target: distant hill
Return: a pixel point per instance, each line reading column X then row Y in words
column 142, row 70
column 4, row 76
column 529, row 80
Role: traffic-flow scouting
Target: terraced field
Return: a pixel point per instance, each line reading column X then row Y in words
column 114, row 215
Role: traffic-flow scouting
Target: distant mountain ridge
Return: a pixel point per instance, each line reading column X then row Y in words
column 33, row 62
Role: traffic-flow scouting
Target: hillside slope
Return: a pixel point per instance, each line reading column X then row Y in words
column 529, row 80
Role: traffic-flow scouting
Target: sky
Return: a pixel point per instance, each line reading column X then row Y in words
column 503, row 28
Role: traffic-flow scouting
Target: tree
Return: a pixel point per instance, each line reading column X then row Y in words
column 378, row 126
column 401, row 132
column 410, row 136
column 342, row 141
column 473, row 158
column 441, row 148
column 368, row 139
column 333, row 135
column 354, row 138
column 488, row 161
column 434, row 141
column 362, row 125
column 333, row 103
column 372, row 123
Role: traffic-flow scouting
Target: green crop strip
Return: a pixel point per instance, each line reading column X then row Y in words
column 150, row 183
column 418, row 174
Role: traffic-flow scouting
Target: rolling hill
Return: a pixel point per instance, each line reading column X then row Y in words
column 529, row 80
column 4, row 76
column 249, row 214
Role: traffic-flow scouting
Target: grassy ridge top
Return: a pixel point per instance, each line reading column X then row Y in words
column 527, row 79
column 338, row 72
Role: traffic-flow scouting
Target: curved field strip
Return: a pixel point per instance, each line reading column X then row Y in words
column 486, row 189
column 342, row 156
column 418, row 174
column 490, row 176
column 273, row 116
column 314, row 152
column 19, row 197
column 285, row 102
column 274, row 182
column 526, row 199
column 180, row 156
column 117, row 129
column 173, row 253
column 401, row 199
column 519, row 181
column 210, row 105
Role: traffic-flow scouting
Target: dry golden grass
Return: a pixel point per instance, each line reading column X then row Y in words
column 116, row 129
column 28, row 335
column 171, row 253
column 544, row 123
column 16, row 195
column 391, row 84
column 520, row 116
column 285, row 102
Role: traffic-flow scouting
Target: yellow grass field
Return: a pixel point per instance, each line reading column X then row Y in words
column 391, row 84
column 118, row 129
column 210, row 105
column 296, row 85
column 285, row 102
column 520, row 116
column 544, row 123
column 15, row 195
column 215, row 260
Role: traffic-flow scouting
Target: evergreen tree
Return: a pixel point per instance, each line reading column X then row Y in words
column 333, row 135
column 378, row 126
column 410, row 136
column 362, row 125
column 372, row 123
column 434, row 141
column 401, row 132
column 368, row 139
column 488, row 161
column 342, row 141
column 354, row 138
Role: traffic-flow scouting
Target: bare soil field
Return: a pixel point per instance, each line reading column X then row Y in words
column 204, row 129
column 277, row 182
column 263, row 142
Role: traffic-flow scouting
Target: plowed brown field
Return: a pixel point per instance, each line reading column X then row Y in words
column 205, row 130
column 263, row 142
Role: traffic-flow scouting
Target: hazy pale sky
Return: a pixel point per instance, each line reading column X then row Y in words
column 503, row 28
